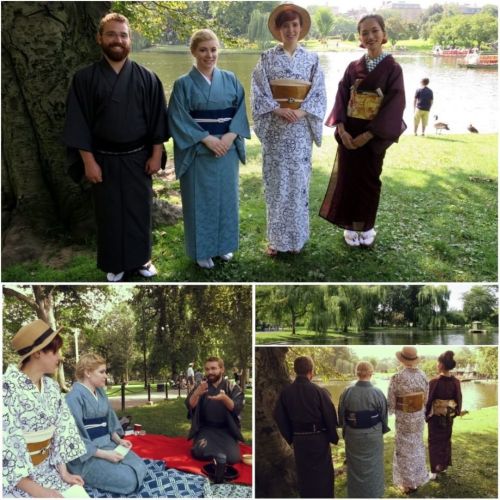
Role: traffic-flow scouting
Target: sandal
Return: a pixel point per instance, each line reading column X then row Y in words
column 114, row 278
column 147, row 270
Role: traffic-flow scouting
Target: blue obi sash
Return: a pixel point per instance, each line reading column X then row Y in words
column 362, row 419
column 96, row 427
column 214, row 121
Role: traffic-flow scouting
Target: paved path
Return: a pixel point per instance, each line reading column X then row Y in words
column 132, row 400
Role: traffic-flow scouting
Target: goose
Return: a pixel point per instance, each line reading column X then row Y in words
column 472, row 129
column 440, row 125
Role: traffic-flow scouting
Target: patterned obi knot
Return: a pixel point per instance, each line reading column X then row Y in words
column 410, row 403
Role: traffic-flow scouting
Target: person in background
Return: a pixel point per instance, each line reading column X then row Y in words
column 424, row 98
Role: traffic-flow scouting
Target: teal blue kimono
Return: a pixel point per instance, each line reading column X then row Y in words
column 209, row 185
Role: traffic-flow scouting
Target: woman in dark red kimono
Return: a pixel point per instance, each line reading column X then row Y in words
column 443, row 405
column 368, row 116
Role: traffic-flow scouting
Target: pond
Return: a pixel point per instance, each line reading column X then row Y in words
column 461, row 96
column 403, row 336
column 475, row 395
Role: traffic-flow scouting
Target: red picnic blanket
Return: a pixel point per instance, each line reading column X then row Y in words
column 176, row 453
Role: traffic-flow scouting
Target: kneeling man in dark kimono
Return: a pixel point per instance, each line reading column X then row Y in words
column 214, row 407
column 307, row 420
column 116, row 123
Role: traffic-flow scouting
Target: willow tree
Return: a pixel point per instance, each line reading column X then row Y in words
column 432, row 307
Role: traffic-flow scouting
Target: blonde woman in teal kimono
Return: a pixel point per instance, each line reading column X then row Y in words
column 101, row 466
column 208, row 122
column 38, row 432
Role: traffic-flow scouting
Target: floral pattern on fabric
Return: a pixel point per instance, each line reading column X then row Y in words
column 409, row 469
column 26, row 409
column 287, row 147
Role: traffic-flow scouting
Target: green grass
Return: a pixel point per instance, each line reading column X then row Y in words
column 437, row 222
column 474, row 473
column 170, row 417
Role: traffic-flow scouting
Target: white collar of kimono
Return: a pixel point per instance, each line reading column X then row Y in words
column 291, row 54
column 94, row 394
column 204, row 76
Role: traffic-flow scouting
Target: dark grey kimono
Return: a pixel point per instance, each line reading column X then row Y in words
column 118, row 117
column 364, row 447
column 213, row 422
column 307, row 419
column 96, row 422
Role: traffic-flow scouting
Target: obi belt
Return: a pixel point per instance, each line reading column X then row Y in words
column 362, row 419
column 38, row 444
column 214, row 121
column 96, row 427
column 307, row 429
column 410, row 403
column 444, row 408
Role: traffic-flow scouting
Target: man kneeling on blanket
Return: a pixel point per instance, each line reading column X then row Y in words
column 214, row 407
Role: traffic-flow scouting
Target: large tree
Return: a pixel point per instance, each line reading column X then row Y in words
column 480, row 303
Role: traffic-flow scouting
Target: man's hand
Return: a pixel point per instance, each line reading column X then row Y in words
column 93, row 172
column 153, row 165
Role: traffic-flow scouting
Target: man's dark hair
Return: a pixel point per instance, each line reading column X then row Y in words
column 425, row 81
column 303, row 365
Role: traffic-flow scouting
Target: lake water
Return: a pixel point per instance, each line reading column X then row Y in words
column 461, row 96
column 406, row 337
column 474, row 395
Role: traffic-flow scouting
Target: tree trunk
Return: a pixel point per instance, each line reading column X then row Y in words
column 43, row 44
column 275, row 465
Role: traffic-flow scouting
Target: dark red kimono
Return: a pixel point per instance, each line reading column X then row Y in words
column 440, row 428
column 353, row 194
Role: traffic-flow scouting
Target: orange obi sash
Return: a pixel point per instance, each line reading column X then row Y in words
column 364, row 104
column 410, row 403
column 289, row 93
column 38, row 444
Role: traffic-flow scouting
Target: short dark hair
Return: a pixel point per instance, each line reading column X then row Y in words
column 287, row 15
column 215, row 359
column 446, row 359
column 303, row 365
column 425, row 81
column 53, row 346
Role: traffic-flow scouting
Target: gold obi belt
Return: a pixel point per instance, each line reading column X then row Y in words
column 410, row 403
column 364, row 104
column 38, row 444
column 444, row 407
column 289, row 93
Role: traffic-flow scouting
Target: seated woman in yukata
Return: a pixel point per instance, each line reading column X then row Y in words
column 102, row 466
column 39, row 434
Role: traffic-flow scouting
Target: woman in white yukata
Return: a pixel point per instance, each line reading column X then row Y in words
column 208, row 122
column 287, row 134
column 101, row 466
column 408, row 392
column 39, row 433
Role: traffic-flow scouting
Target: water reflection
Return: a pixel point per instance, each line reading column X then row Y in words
column 461, row 96
column 401, row 337
column 474, row 395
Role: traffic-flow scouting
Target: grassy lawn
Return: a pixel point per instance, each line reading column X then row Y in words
column 170, row 417
column 475, row 469
column 437, row 222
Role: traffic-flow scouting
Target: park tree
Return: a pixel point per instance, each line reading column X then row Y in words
column 274, row 455
column 433, row 304
column 258, row 31
column 324, row 21
column 487, row 361
column 480, row 302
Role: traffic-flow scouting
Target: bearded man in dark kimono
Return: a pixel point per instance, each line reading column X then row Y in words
column 116, row 123
column 307, row 419
column 214, row 407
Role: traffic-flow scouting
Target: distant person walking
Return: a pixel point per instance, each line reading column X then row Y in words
column 424, row 98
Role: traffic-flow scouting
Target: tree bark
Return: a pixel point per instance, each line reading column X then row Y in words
column 274, row 465
column 43, row 44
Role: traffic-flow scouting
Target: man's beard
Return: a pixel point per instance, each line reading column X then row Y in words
column 116, row 56
column 213, row 378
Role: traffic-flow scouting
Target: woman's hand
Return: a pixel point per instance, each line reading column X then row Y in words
column 125, row 443
column 362, row 139
column 72, row 479
column 112, row 456
column 228, row 139
column 218, row 147
column 347, row 141
column 287, row 114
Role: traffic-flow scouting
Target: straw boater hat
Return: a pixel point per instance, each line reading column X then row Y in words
column 32, row 338
column 306, row 20
column 408, row 356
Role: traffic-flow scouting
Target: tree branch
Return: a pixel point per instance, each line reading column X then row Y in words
column 9, row 292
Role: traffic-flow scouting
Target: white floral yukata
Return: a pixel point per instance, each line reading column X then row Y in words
column 287, row 147
column 26, row 409
column 409, row 469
